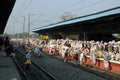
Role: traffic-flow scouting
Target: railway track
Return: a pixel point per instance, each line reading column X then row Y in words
column 20, row 70
column 67, row 71
column 36, row 72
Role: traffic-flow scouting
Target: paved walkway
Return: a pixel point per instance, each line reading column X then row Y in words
column 8, row 70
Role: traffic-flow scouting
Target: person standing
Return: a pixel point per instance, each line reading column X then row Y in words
column 66, row 56
column 7, row 46
column 106, row 58
column 82, row 56
column 94, row 56
column 28, row 60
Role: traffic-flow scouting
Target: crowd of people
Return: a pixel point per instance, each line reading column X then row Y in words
column 78, row 50
column 74, row 49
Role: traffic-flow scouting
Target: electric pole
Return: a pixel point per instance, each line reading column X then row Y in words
column 23, row 28
column 29, row 28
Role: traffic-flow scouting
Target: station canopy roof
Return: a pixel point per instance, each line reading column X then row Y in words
column 105, row 22
column 6, row 7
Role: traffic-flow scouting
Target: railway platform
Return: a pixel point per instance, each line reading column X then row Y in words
column 8, row 70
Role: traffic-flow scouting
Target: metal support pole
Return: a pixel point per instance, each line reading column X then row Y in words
column 84, row 36
column 29, row 28
column 23, row 29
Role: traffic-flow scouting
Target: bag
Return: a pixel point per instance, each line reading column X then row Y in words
column 28, row 61
column 12, row 55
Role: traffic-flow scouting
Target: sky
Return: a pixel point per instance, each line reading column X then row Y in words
column 45, row 12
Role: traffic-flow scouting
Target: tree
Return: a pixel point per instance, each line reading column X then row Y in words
column 117, row 35
column 67, row 16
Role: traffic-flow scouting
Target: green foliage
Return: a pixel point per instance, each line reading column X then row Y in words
column 118, row 36
column 67, row 16
column 20, row 35
column 73, row 37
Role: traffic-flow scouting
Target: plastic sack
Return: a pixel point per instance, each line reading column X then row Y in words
column 28, row 61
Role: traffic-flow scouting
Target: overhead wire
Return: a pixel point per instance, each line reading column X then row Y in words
column 83, row 7
column 11, row 24
column 69, row 6
column 35, row 19
column 88, row 6
column 19, row 7
column 25, row 7
column 73, row 4
column 22, row 10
